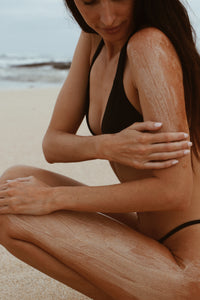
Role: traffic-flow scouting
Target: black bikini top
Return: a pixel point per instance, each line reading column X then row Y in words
column 119, row 112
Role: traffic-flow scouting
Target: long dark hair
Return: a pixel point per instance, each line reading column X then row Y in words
column 171, row 17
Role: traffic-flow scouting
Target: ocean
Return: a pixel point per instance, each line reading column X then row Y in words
column 35, row 32
column 41, row 33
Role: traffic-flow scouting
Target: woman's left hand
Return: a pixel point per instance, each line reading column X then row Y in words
column 26, row 195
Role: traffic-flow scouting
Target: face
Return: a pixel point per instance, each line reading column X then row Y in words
column 111, row 19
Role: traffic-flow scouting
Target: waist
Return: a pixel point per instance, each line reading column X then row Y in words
column 159, row 224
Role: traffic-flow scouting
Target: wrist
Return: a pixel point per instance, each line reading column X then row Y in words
column 61, row 198
column 50, row 199
column 47, row 202
column 102, row 146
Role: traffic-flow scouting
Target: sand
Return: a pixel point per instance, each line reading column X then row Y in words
column 24, row 117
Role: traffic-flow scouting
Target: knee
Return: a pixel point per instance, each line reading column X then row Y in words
column 16, row 172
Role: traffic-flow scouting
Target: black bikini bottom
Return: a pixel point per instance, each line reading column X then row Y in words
column 178, row 228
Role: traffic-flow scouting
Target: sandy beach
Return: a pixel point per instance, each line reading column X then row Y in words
column 24, row 117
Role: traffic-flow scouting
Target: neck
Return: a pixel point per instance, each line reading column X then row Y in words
column 114, row 47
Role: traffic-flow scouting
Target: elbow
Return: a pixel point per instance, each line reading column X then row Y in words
column 46, row 150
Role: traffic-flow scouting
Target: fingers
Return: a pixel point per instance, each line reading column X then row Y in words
column 4, row 193
column 3, row 187
column 168, row 155
column 3, row 202
column 166, row 137
column 6, row 202
column 8, row 183
column 160, row 137
column 19, row 179
column 159, row 165
column 170, row 147
column 153, row 165
column 146, row 126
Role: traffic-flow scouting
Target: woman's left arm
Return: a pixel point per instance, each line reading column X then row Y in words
column 157, row 75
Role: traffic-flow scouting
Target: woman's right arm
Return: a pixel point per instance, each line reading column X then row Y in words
column 60, row 143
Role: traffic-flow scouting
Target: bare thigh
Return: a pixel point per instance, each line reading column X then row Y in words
column 118, row 260
column 55, row 179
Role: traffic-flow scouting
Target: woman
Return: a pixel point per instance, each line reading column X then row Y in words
column 87, row 237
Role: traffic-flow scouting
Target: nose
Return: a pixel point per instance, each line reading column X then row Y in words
column 107, row 14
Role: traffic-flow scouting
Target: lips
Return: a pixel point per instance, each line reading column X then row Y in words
column 112, row 30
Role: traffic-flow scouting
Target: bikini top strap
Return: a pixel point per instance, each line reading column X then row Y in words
column 121, row 64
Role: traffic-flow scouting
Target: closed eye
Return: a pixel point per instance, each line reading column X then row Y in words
column 89, row 2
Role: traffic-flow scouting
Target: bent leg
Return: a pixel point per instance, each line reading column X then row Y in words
column 49, row 265
column 119, row 261
column 35, row 256
column 73, row 279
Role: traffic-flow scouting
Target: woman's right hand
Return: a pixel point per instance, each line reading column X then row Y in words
column 136, row 146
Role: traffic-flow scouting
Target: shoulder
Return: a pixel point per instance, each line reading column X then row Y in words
column 147, row 39
column 91, row 42
column 84, row 49
column 150, row 43
column 150, row 48
column 148, row 34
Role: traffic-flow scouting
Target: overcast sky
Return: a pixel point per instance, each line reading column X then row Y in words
column 36, row 26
